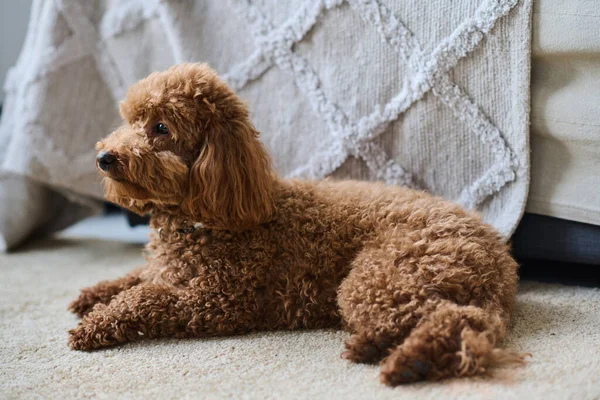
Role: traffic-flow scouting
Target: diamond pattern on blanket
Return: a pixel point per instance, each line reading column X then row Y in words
column 296, row 149
column 332, row 84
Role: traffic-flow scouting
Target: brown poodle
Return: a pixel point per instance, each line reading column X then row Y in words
column 423, row 286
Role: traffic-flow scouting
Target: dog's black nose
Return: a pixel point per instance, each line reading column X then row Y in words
column 106, row 160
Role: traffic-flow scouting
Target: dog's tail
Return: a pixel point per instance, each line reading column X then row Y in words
column 454, row 340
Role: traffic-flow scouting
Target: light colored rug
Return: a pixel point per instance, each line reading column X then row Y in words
column 559, row 325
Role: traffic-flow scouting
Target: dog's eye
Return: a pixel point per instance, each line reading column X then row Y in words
column 161, row 129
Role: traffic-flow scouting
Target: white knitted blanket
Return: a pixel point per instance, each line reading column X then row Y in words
column 431, row 94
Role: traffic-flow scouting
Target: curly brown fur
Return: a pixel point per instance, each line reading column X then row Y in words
column 102, row 293
column 421, row 284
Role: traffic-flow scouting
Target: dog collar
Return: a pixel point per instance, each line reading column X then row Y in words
column 185, row 230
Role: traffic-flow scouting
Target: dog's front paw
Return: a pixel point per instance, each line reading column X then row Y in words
column 89, row 337
column 84, row 303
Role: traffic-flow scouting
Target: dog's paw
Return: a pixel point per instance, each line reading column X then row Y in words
column 366, row 353
column 398, row 369
column 83, row 304
column 85, row 337
column 361, row 348
column 80, row 308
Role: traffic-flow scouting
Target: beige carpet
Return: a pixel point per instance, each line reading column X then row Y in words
column 560, row 325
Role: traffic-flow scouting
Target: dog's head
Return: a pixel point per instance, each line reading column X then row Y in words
column 187, row 146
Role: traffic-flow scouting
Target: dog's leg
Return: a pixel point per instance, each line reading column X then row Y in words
column 379, row 304
column 149, row 311
column 102, row 293
column 144, row 311
column 452, row 341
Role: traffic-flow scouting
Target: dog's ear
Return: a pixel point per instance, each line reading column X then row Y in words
column 231, row 182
